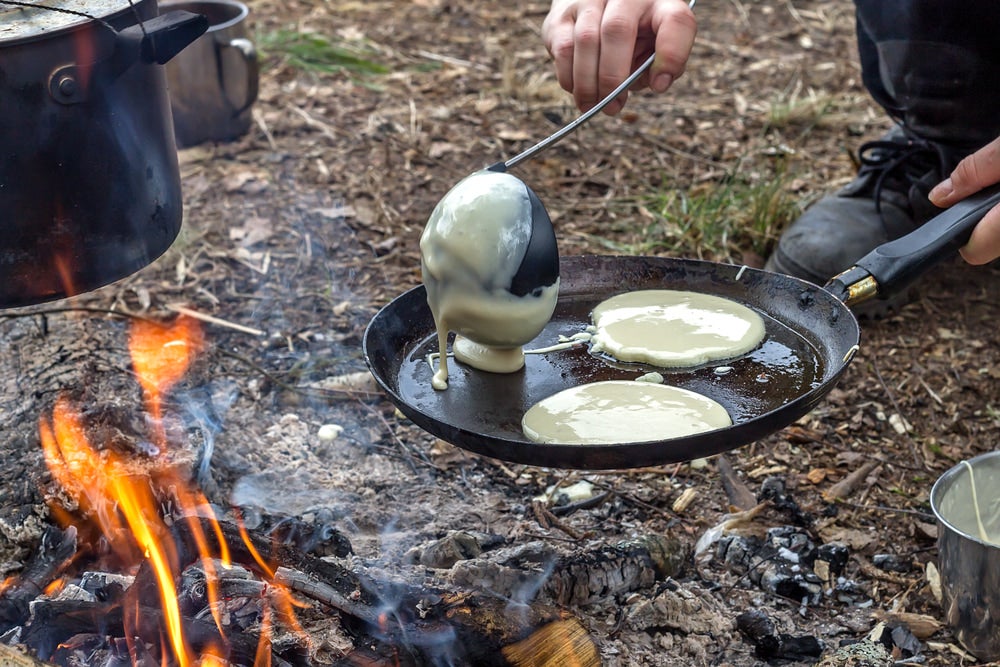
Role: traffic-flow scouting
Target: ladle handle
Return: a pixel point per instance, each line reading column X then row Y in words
column 554, row 138
column 891, row 267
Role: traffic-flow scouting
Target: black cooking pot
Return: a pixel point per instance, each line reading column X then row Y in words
column 89, row 181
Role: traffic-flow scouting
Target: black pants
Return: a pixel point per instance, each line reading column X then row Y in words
column 934, row 65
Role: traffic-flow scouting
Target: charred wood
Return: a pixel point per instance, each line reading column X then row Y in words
column 55, row 551
column 430, row 625
column 612, row 569
column 580, row 579
column 55, row 622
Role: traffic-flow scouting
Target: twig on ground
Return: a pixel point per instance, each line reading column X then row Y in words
column 328, row 392
column 211, row 319
column 547, row 519
column 846, row 486
column 409, row 451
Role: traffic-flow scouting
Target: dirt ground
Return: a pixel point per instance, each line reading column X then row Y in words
column 309, row 224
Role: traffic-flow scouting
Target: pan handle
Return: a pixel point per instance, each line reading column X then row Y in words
column 890, row 268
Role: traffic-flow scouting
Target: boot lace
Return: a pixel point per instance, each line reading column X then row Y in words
column 902, row 162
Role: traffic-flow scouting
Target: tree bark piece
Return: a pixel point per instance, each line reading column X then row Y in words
column 741, row 498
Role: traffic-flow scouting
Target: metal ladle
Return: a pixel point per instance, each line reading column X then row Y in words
column 540, row 265
column 555, row 137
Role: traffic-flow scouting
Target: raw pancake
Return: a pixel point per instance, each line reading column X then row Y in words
column 622, row 411
column 675, row 329
column 486, row 358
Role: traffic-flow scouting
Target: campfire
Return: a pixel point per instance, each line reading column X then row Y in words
column 142, row 569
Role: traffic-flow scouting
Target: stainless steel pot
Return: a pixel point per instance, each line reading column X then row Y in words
column 966, row 502
column 89, row 182
column 213, row 83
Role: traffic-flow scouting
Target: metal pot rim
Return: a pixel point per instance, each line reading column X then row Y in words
column 26, row 24
column 943, row 485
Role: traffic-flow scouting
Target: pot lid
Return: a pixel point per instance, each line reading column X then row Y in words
column 20, row 22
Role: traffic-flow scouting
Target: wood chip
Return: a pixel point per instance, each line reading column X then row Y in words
column 685, row 499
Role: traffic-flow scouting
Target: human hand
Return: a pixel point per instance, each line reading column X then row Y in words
column 596, row 44
column 972, row 174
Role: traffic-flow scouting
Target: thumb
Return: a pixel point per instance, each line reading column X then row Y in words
column 972, row 174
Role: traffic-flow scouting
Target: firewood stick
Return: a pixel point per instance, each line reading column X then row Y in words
column 300, row 582
column 547, row 519
column 564, row 642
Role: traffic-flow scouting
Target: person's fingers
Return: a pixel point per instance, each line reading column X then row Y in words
column 675, row 28
column 984, row 244
column 557, row 34
column 972, row 174
column 596, row 44
column 619, row 29
column 586, row 54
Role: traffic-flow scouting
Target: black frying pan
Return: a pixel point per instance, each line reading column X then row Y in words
column 811, row 338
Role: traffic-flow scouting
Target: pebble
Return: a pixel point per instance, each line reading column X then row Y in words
column 329, row 432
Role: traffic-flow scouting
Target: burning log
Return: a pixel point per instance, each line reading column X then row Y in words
column 55, row 623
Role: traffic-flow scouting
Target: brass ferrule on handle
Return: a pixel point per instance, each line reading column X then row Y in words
column 853, row 286
column 860, row 291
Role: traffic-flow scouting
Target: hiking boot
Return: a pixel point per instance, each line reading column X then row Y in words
column 886, row 200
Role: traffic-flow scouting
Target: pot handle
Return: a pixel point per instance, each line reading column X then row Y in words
column 892, row 267
column 248, row 51
column 157, row 40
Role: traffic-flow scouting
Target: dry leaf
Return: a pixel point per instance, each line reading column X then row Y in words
column 485, row 106
column 921, row 625
column 817, row 475
column 440, row 149
column 854, row 538
column 927, row 530
column 254, row 230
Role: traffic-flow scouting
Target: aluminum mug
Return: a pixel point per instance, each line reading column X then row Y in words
column 213, row 83
column 969, row 552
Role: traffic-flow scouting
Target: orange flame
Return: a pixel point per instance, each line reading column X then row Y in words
column 263, row 654
column 161, row 355
column 55, row 587
column 123, row 504
column 124, row 497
